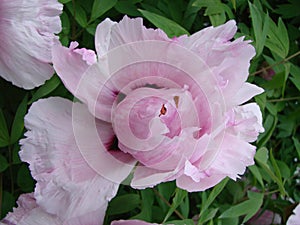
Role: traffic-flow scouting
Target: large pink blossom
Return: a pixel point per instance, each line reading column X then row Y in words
column 294, row 219
column 66, row 187
column 173, row 106
column 27, row 33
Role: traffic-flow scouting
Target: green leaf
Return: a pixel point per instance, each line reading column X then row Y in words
column 210, row 214
column 260, row 26
column 284, row 169
column 262, row 155
column 276, row 168
column 18, row 124
column 180, row 222
column 248, row 207
column 3, row 163
column 212, row 196
column 147, row 202
column 8, row 202
column 269, row 125
column 295, row 78
column 78, row 13
column 171, row 28
column 180, row 195
column 100, row 7
column 4, row 135
column 297, row 145
column 127, row 7
column 255, row 171
column 46, row 89
column 24, row 179
column 123, row 204
column 262, row 162
column 276, row 41
column 64, row 1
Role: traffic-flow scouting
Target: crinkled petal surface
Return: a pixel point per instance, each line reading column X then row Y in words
column 29, row 213
column 66, row 185
column 27, row 34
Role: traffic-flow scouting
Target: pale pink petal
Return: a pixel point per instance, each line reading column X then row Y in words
column 66, row 184
column 27, row 33
column 29, row 213
column 131, row 222
column 229, row 161
column 246, row 122
column 110, row 35
column 213, row 45
column 294, row 219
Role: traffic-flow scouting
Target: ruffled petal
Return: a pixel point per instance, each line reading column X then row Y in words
column 27, row 33
column 29, row 213
column 66, row 184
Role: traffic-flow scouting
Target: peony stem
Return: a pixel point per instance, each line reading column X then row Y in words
column 276, row 64
column 284, row 99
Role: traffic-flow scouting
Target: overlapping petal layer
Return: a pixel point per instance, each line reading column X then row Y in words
column 66, row 185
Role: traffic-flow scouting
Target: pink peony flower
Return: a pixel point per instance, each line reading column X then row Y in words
column 66, row 187
column 28, row 212
column 27, row 31
column 294, row 219
column 173, row 106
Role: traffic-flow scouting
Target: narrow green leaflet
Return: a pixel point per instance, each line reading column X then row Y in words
column 180, row 195
column 3, row 163
column 100, row 7
column 278, row 40
column 123, row 204
column 4, row 135
column 269, row 125
column 46, row 89
column 297, row 145
column 171, row 28
column 24, row 180
column 18, row 124
column 210, row 214
column 248, row 207
column 212, row 196
column 180, row 222
column 146, row 209
column 78, row 13
column 255, row 171
column 260, row 26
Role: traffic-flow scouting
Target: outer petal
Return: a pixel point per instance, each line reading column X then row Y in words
column 213, row 45
column 29, row 213
column 110, row 35
column 295, row 218
column 66, row 185
column 27, row 31
column 232, row 158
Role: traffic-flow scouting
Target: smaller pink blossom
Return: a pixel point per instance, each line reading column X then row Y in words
column 294, row 219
